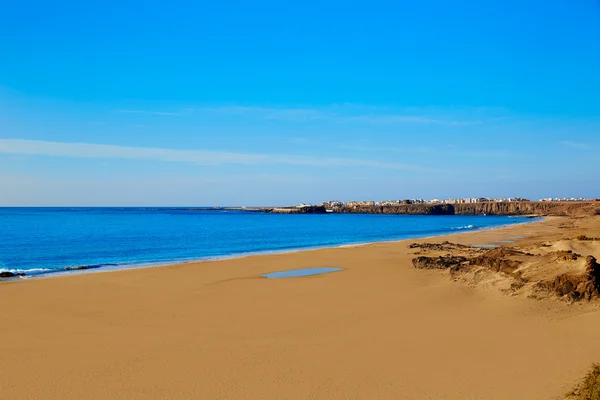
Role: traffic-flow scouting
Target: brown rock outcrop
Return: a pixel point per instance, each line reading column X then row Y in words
column 497, row 260
column 442, row 262
column 8, row 274
column 565, row 255
column 576, row 287
column 444, row 246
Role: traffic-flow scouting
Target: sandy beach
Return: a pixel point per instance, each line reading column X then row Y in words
column 379, row 329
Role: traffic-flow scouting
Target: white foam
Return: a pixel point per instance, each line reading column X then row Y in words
column 32, row 271
column 463, row 227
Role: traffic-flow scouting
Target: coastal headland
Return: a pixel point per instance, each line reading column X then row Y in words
column 533, row 208
column 444, row 318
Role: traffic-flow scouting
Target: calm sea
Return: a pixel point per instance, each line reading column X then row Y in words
column 38, row 241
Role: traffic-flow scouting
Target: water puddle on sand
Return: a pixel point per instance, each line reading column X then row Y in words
column 505, row 241
column 486, row 246
column 517, row 237
column 296, row 273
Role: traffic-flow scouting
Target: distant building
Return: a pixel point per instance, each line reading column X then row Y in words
column 360, row 203
column 333, row 203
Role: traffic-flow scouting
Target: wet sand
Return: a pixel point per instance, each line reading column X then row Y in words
column 379, row 329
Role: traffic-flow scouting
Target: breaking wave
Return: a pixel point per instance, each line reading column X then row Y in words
column 42, row 271
column 463, row 227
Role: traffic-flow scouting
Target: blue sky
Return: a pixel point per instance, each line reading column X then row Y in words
column 270, row 102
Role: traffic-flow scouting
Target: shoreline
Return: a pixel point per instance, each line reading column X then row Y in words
column 115, row 267
column 380, row 328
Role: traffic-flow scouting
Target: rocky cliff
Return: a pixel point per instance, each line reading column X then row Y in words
column 516, row 208
column 413, row 209
column 530, row 208
column 297, row 210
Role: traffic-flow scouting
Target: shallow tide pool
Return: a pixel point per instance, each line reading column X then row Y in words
column 486, row 246
column 295, row 273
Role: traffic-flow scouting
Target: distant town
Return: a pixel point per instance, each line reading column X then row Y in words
column 468, row 200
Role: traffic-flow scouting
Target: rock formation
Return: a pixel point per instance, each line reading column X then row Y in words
column 576, row 287
column 444, row 246
column 442, row 262
column 298, row 210
column 490, row 208
column 8, row 274
column 513, row 264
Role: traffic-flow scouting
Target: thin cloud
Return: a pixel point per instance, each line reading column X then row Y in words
column 338, row 116
column 575, row 145
column 167, row 113
column 447, row 151
column 293, row 114
column 406, row 119
column 201, row 157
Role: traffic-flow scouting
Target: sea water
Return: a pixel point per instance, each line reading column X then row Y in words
column 38, row 241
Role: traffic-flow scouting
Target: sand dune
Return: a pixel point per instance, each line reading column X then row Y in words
column 379, row 329
column 585, row 248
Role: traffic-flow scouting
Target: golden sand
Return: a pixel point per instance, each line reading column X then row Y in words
column 380, row 329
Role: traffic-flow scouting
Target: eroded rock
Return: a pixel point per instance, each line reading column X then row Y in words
column 444, row 246
column 576, row 287
column 8, row 274
column 565, row 255
column 497, row 260
column 442, row 262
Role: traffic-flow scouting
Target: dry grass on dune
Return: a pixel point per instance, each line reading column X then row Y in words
column 589, row 388
column 586, row 238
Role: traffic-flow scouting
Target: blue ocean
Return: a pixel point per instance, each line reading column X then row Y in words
column 39, row 241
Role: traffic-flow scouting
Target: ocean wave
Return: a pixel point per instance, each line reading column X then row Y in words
column 90, row 266
column 463, row 227
column 16, row 272
column 32, row 271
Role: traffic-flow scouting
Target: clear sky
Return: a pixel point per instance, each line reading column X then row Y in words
column 276, row 102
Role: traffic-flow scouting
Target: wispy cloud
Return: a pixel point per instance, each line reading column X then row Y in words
column 202, row 157
column 576, row 145
column 340, row 114
column 435, row 151
column 167, row 113
column 406, row 119
column 294, row 114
